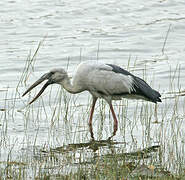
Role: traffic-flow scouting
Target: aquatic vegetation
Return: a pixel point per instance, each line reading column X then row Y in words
column 50, row 140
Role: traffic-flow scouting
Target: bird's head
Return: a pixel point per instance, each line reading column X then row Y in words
column 55, row 76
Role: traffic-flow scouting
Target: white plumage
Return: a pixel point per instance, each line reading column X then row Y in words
column 106, row 81
column 101, row 81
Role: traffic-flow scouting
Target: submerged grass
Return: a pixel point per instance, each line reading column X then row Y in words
column 66, row 151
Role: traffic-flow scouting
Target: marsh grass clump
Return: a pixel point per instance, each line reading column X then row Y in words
column 50, row 138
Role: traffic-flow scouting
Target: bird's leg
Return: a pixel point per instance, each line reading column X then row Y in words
column 115, row 122
column 91, row 116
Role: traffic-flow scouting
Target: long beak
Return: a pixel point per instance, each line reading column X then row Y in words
column 44, row 77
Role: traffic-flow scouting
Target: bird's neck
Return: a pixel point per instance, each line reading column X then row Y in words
column 70, row 87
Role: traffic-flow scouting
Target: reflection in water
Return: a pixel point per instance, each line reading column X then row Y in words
column 93, row 145
column 129, row 162
column 96, row 145
column 139, row 154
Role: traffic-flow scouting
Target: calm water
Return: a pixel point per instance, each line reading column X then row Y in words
column 110, row 31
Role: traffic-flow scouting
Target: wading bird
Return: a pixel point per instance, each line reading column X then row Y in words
column 106, row 81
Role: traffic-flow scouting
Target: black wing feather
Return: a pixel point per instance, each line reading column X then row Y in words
column 140, row 86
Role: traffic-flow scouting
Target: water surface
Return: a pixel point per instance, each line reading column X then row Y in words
column 73, row 31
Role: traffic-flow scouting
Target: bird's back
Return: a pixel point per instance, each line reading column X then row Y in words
column 107, row 80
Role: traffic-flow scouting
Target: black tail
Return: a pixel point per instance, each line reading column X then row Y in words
column 143, row 89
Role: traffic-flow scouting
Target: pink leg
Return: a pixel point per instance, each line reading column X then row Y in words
column 115, row 121
column 91, row 116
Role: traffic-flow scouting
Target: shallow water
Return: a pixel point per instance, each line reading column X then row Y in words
column 110, row 31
